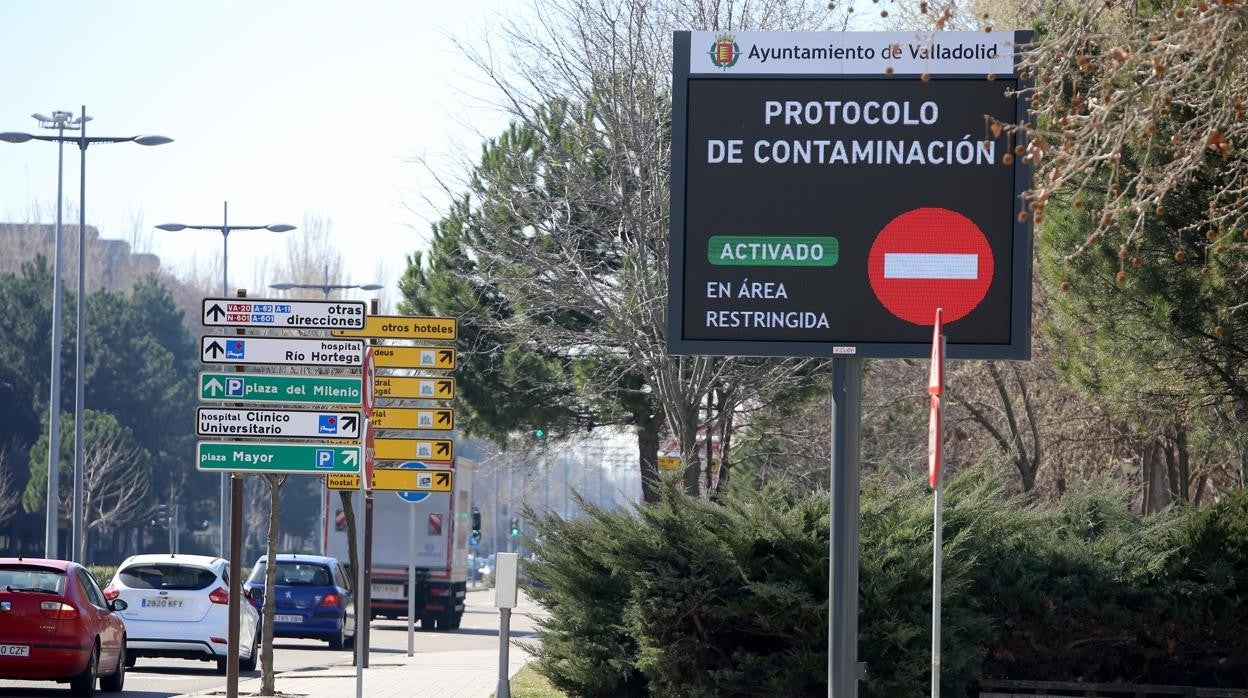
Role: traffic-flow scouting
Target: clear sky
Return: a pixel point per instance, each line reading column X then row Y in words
column 280, row 107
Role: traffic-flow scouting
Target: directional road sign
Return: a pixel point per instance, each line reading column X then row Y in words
column 276, row 424
column 405, row 387
column 269, row 387
column 414, row 357
column 286, row 351
column 401, row 418
column 397, row 480
column 290, row 315
column 669, row 462
column 278, row 458
column 403, row 327
column 407, row 449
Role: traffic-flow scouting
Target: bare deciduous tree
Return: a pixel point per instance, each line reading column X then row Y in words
column 586, row 217
column 267, row 677
column 115, row 486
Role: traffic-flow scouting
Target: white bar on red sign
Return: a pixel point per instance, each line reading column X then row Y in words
column 911, row 265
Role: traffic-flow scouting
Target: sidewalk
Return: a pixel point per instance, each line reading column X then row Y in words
column 454, row 674
column 453, row 671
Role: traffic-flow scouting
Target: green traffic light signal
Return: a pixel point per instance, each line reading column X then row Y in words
column 539, row 433
column 515, row 527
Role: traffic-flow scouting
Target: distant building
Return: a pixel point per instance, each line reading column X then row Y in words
column 110, row 264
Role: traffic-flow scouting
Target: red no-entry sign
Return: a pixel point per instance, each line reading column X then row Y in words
column 930, row 258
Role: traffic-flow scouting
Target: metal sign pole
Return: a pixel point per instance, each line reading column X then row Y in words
column 411, row 580
column 843, row 669
column 937, row 457
column 236, row 569
column 360, row 649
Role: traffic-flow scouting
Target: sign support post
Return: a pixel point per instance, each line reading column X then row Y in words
column 844, row 672
column 411, row 581
column 236, row 566
column 361, row 648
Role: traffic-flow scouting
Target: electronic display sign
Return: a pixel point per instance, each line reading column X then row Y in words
column 830, row 190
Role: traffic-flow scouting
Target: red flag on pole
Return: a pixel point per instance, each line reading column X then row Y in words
column 935, row 386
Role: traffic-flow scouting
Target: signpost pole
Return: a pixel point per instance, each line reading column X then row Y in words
column 843, row 669
column 411, row 580
column 368, row 565
column 361, row 651
column 236, row 567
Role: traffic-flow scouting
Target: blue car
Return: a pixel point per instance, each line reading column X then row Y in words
column 313, row 598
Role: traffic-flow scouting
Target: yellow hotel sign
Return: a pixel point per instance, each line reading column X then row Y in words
column 400, row 418
column 414, row 449
column 403, row 327
column 669, row 462
column 413, row 357
column 407, row 387
column 399, row 480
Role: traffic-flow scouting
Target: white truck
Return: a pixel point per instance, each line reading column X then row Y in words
column 442, row 527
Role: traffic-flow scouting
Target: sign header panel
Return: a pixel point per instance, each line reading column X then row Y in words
column 821, row 207
column 852, row 53
column 276, row 424
column 285, row 351
column 403, row 327
column 307, row 459
column 283, row 314
column 269, row 387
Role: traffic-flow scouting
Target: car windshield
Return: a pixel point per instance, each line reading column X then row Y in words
column 27, row 578
column 166, row 576
column 292, row 573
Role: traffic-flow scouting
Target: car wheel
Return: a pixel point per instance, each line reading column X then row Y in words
column 116, row 682
column 249, row 664
column 222, row 665
column 84, row 684
column 339, row 640
column 131, row 660
column 426, row 623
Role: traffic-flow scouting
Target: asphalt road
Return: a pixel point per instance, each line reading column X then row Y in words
column 161, row 678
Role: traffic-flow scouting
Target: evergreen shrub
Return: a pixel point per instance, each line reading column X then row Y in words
column 693, row 598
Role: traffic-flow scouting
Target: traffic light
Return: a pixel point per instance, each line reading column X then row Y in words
column 539, row 433
column 515, row 527
column 476, row 525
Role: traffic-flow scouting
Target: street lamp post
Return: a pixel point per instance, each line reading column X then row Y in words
column 324, row 288
column 61, row 121
column 225, row 229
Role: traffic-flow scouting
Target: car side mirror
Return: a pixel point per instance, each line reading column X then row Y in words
column 247, row 593
column 118, row 605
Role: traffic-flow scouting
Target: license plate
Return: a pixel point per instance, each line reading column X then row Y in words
column 14, row 650
column 160, row 603
column 388, row 591
column 284, row 618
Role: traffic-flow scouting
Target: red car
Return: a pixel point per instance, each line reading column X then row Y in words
column 55, row 625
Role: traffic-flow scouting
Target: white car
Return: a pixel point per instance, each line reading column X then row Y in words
column 178, row 606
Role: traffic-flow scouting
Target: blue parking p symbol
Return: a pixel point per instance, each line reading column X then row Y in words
column 234, row 387
column 325, row 458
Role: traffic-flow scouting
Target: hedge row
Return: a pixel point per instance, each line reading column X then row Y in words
column 691, row 598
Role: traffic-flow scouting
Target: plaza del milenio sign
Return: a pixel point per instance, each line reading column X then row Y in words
column 830, row 190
